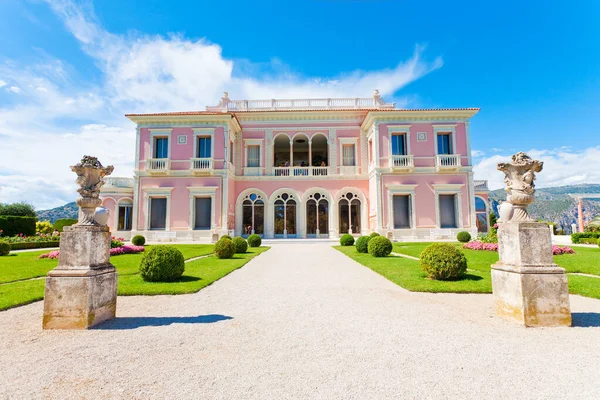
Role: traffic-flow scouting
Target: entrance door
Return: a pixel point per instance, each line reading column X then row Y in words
column 317, row 217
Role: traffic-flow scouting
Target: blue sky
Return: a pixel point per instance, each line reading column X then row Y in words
column 69, row 70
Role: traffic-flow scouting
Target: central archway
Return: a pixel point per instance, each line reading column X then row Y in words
column 285, row 218
column 317, row 213
column 351, row 206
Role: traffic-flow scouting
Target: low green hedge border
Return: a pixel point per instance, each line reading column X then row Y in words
column 33, row 245
column 576, row 237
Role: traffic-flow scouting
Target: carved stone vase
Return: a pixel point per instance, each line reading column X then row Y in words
column 82, row 290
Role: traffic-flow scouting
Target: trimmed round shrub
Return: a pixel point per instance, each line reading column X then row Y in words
column 443, row 261
column 4, row 248
column 379, row 246
column 240, row 244
column 225, row 248
column 226, row 237
column 347, row 240
column 463, row 237
column 162, row 264
column 373, row 234
column 362, row 244
column 138, row 240
column 254, row 240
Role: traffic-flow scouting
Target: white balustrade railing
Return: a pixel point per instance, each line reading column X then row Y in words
column 298, row 104
column 281, row 171
column 400, row 161
column 300, row 171
column 320, row 171
column 118, row 182
column 447, row 161
column 201, row 164
column 158, row 164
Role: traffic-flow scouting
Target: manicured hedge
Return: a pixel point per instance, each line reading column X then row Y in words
column 33, row 245
column 374, row 234
column 576, row 237
column 443, row 261
column 362, row 244
column 162, row 264
column 225, row 248
column 463, row 237
column 241, row 246
column 13, row 225
column 138, row 240
column 4, row 248
column 379, row 246
column 61, row 223
column 254, row 240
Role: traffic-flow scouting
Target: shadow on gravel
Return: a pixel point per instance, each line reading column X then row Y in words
column 123, row 323
column 586, row 319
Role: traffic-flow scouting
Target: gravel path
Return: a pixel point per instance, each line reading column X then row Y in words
column 302, row 321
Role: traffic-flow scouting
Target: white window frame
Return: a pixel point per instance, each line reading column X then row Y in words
column 204, row 132
column 402, row 190
column 118, row 205
column 253, row 142
column 202, row 191
column 399, row 130
column 160, row 192
column 347, row 141
column 487, row 211
column 449, row 129
column 156, row 133
column 449, row 188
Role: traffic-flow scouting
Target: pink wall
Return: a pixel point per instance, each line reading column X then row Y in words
column 109, row 201
column 180, row 198
column 425, row 196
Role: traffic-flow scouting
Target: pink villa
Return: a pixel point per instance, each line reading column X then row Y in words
column 301, row 168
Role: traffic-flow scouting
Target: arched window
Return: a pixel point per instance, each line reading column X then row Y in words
column 317, row 215
column 253, row 215
column 481, row 212
column 349, row 213
column 285, row 215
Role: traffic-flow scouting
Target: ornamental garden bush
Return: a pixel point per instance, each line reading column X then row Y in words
column 59, row 224
column 44, row 227
column 380, row 246
column 463, row 237
column 162, row 264
column 225, row 248
column 12, row 225
column 226, row 237
column 4, row 248
column 373, row 234
column 347, row 240
column 138, row 240
column 362, row 244
column 254, row 240
column 576, row 238
column 241, row 246
column 443, row 261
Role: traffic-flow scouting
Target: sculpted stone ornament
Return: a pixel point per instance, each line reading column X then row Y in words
column 90, row 178
column 528, row 287
column 82, row 290
column 519, row 177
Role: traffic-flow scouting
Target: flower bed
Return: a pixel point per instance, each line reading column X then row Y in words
column 115, row 251
column 479, row 245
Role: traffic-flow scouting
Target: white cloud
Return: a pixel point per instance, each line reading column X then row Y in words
column 2, row 83
column 57, row 119
column 561, row 167
column 14, row 89
column 477, row 153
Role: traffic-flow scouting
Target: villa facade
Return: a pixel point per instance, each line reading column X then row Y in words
column 305, row 168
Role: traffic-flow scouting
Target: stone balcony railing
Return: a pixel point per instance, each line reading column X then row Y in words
column 118, row 182
column 481, row 185
column 447, row 162
column 300, row 171
column 401, row 162
column 158, row 165
column 201, row 165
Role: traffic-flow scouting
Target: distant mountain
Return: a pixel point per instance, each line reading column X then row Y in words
column 69, row 210
column 554, row 204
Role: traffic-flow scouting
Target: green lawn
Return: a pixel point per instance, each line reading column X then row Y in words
column 17, row 270
column 408, row 274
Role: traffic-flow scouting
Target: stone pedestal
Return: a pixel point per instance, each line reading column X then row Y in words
column 528, row 287
column 82, row 290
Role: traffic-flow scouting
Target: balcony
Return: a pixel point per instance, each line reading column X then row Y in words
column 401, row 163
column 158, row 165
column 447, row 162
column 300, row 171
column 481, row 186
column 201, row 166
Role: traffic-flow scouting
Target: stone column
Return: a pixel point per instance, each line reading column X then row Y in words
column 528, row 287
column 82, row 290
column 581, row 226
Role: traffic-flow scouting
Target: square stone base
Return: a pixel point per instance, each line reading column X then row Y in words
column 534, row 296
column 80, row 299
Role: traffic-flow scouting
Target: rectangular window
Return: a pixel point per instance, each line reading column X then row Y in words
column 444, row 143
column 254, row 156
column 124, row 218
column 203, row 212
column 398, row 145
column 348, row 155
column 231, row 152
column 401, row 211
column 161, row 147
column 204, row 147
column 158, row 213
column 447, row 210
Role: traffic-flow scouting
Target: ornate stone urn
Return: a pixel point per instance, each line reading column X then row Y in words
column 519, row 177
column 527, row 285
column 82, row 290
